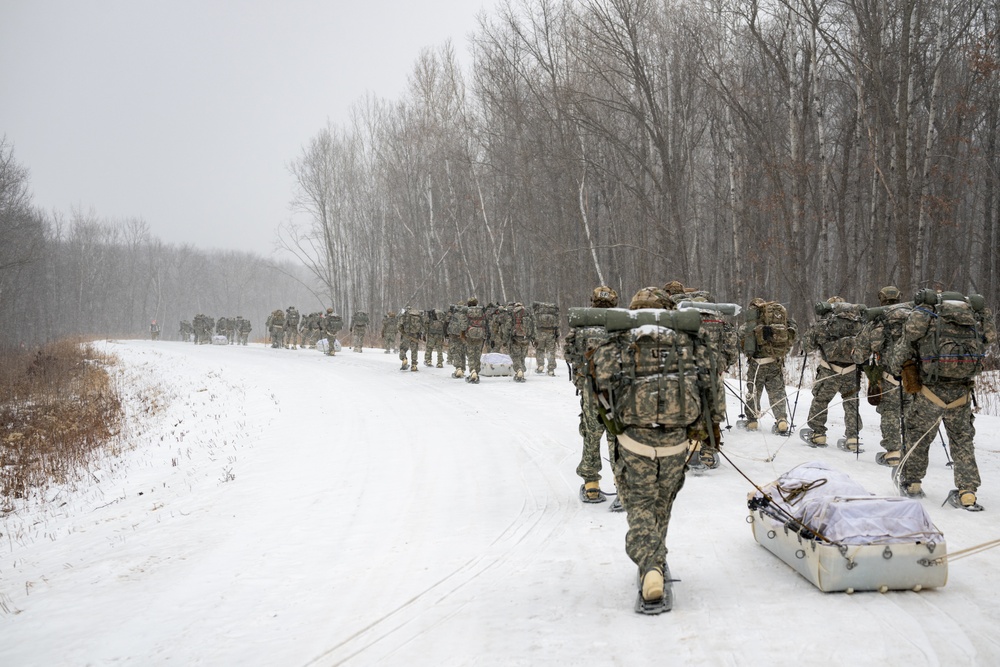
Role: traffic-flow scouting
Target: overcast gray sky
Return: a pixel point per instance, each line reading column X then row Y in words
column 186, row 112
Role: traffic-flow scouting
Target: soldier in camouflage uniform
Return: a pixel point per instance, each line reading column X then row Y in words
column 410, row 324
column 650, row 461
column 836, row 374
column 546, row 336
column 457, row 324
column 331, row 326
column 243, row 330
column 292, row 320
column 940, row 395
column 389, row 332
column 878, row 337
column 474, row 337
column 434, row 336
column 765, row 370
column 187, row 331
column 359, row 326
column 578, row 342
column 721, row 338
column 521, row 331
column 276, row 327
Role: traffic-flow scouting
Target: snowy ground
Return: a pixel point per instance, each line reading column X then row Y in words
column 285, row 508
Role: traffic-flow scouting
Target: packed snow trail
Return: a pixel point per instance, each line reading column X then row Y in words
column 283, row 507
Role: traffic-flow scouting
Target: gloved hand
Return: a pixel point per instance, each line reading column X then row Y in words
column 911, row 377
column 767, row 332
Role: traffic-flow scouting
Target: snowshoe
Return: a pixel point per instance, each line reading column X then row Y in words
column 404, row 367
column 655, row 605
column 781, row 428
column 812, row 439
column 709, row 459
column 616, row 505
column 853, row 447
column 741, row 423
column 963, row 500
column 911, row 490
column 590, row 492
column 414, row 368
column 888, row 459
column 473, row 378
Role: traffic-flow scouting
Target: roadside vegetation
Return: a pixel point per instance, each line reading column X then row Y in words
column 58, row 407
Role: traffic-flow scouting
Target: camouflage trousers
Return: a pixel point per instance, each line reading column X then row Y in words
column 242, row 337
column 358, row 338
column 389, row 342
column 769, row 376
column 411, row 343
column 921, row 423
column 828, row 384
column 277, row 336
column 473, row 353
column 545, row 351
column 591, row 429
column 647, row 488
column 291, row 337
column 893, row 403
column 331, row 339
column 518, row 351
column 432, row 344
column 456, row 352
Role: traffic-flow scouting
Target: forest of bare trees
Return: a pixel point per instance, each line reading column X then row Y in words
column 93, row 277
column 790, row 149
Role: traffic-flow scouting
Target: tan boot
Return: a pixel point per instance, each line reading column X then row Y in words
column 782, row 426
column 652, row 585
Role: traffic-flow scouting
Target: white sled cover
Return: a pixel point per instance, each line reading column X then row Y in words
column 494, row 363
column 842, row 538
column 220, row 340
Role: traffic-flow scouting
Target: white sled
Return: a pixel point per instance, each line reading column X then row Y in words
column 495, row 364
column 871, row 543
column 323, row 345
column 220, row 340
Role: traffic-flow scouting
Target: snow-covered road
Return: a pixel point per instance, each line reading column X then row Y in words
column 278, row 507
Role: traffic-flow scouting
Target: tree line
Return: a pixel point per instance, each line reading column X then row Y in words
column 787, row 149
column 84, row 275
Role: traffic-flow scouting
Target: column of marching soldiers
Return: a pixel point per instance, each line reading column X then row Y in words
column 652, row 381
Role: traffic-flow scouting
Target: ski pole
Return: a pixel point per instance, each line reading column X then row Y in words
column 743, row 407
column 945, row 446
column 802, row 375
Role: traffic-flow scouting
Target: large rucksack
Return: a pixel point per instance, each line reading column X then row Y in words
column 949, row 341
column 412, row 322
column 333, row 323
column 458, row 322
column 773, row 337
column 650, row 376
column 292, row 317
column 278, row 318
column 476, row 316
column 834, row 333
column 435, row 322
column 546, row 316
column 520, row 325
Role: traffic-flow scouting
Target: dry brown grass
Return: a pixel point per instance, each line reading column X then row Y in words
column 58, row 406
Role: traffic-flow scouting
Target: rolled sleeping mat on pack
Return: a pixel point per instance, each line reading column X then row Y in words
column 722, row 308
column 824, row 307
column 929, row 297
column 621, row 319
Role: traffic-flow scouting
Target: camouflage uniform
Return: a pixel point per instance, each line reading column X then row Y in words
column 764, row 372
column 410, row 324
column 292, row 319
column 724, row 352
column 877, row 338
column 836, row 374
column 359, row 325
column 649, row 462
column 243, row 330
column 434, row 337
column 276, row 325
column 457, row 324
column 331, row 326
column 940, row 399
column 577, row 343
column 522, row 331
column 154, row 330
column 389, row 333
column 187, row 331
column 474, row 337
column 546, row 336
